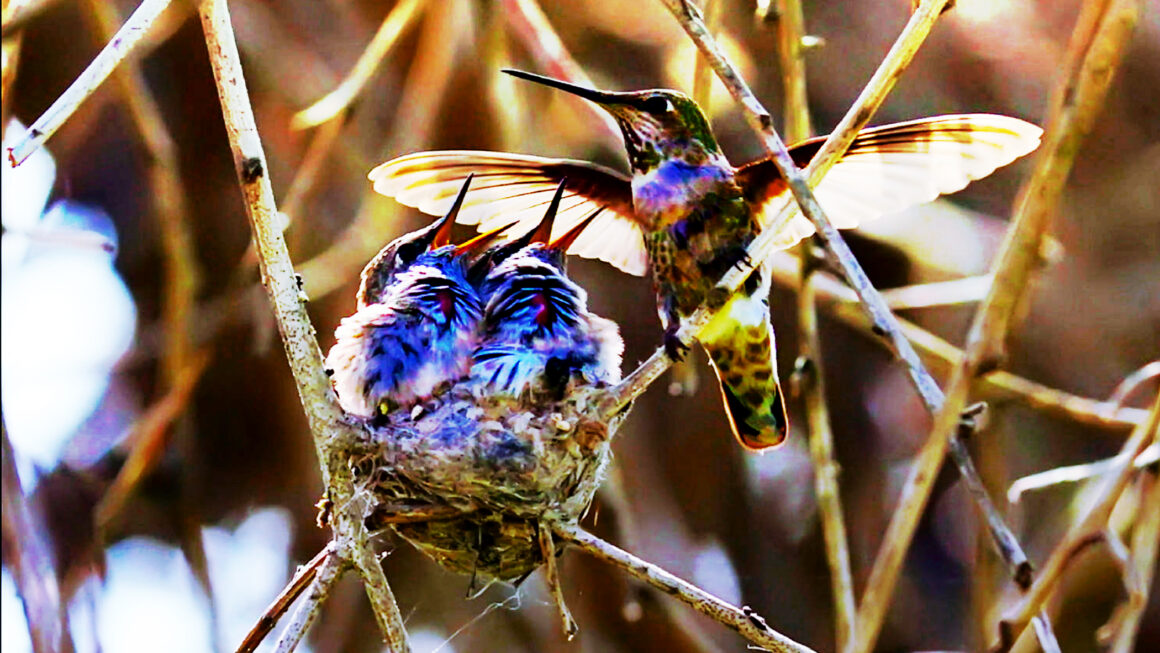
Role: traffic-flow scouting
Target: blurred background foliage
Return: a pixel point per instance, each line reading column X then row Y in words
column 226, row 498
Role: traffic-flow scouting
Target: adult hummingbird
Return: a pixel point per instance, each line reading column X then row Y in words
column 416, row 324
column 537, row 333
column 689, row 214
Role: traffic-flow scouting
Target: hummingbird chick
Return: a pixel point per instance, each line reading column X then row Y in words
column 688, row 214
column 537, row 333
column 416, row 324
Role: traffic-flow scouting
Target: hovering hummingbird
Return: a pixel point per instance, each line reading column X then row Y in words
column 416, row 323
column 537, row 334
column 687, row 213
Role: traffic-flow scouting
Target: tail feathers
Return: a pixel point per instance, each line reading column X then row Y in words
column 742, row 355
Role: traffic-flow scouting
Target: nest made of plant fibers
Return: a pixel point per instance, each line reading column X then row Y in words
column 467, row 478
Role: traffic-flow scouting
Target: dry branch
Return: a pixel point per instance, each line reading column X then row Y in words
column 127, row 38
column 327, row 574
column 327, row 423
column 747, row 623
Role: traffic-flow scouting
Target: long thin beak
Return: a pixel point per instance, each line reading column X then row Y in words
column 443, row 233
column 562, row 243
column 591, row 94
column 481, row 241
column 543, row 232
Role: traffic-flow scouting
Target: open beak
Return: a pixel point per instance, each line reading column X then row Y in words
column 442, row 234
column 481, row 242
column 565, row 241
column 591, row 94
column 543, row 232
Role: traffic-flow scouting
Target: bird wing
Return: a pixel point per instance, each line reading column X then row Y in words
column 890, row 168
column 516, row 189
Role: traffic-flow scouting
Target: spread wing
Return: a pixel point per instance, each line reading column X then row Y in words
column 892, row 167
column 516, row 189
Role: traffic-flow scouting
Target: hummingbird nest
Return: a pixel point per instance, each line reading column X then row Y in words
column 467, row 477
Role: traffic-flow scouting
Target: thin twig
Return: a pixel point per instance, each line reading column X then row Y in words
column 1077, row 99
column 840, row 254
column 702, row 72
column 791, row 29
column 337, row 101
column 148, row 442
column 118, row 48
column 303, row 577
column 1126, row 620
column 1131, row 383
column 328, row 573
column 1091, row 525
column 530, row 24
column 938, row 293
column 1076, row 473
column 28, row 557
column 332, row 434
column 552, row 578
column 747, row 623
column 809, row 383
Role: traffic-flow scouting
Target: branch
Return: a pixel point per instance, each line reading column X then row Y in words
column 1126, row 620
column 28, row 557
column 808, row 381
column 1091, row 525
column 303, row 577
column 337, row 101
column 328, row 573
column 332, row 434
column 128, row 37
column 530, row 24
column 791, row 29
column 747, row 623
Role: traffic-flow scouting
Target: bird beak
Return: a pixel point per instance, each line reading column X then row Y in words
column 591, row 94
column 562, row 243
column 442, row 234
column 480, row 242
column 543, row 232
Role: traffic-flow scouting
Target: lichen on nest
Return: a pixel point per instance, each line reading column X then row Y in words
column 467, row 478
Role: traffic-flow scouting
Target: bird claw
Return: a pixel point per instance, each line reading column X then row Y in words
column 675, row 349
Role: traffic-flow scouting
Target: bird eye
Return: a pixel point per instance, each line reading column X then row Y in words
column 408, row 252
column 658, row 104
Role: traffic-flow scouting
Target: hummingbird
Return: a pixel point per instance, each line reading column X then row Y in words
column 688, row 214
column 537, row 333
column 416, row 323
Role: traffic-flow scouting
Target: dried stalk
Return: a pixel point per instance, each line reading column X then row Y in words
column 747, row 623
column 327, row 575
column 884, row 321
column 1076, row 473
column 1088, row 528
column 281, row 603
column 791, row 29
column 809, row 383
column 530, row 24
column 1141, row 572
column 337, row 101
column 327, row 423
column 127, row 38
column 29, row 559
column 1075, row 104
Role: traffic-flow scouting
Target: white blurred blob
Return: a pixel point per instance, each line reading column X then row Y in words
column 66, row 316
column 781, row 481
column 150, row 600
column 13, row 626
column 248, row 568
column 427, row 641
column 713, row 571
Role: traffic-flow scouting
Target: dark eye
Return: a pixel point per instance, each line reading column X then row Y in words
column 408, row 252
column 657, row 104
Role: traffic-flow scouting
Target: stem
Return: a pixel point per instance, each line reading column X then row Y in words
column 337, row 101
column 303, row 577
column 747, row 623
column 327, row 575
column 332, row 435
column 791, row 28
column 127, row 38
column 811, row 385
